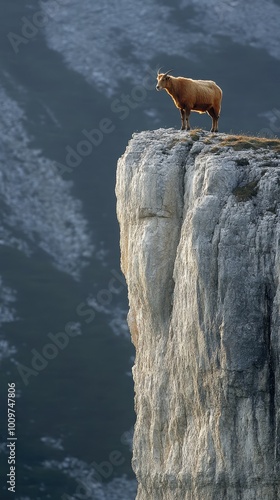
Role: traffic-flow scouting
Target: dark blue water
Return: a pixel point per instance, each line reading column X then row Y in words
column 71, row 93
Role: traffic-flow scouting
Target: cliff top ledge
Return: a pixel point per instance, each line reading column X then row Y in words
column 215, row 141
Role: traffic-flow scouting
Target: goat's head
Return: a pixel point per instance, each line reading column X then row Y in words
column 162, row 79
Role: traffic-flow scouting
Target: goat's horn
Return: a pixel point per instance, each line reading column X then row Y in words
column 169, row 71
column 158, row 71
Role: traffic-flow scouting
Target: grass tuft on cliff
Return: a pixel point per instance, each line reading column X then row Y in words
column 238, row 142
column 241, row 142
column 245, row 193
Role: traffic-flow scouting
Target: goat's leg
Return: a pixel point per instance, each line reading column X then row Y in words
column 214, row 125
column 215, row 118
column 185, row 113
column 187, row 119
column 183, row 118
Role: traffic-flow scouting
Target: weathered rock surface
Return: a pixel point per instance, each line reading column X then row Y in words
column 200, row 250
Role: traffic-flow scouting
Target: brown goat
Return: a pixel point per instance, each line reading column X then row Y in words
column 202, row 96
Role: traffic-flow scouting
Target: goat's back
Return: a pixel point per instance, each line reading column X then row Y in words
column 195, row 92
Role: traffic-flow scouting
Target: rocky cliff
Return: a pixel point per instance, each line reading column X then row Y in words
column 200, row 249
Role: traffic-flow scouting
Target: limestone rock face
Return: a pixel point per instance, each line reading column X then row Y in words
column 200, row 250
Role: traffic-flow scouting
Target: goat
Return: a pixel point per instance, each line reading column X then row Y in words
column 202, row 96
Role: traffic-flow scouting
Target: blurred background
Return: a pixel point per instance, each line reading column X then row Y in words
column 76, row 80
